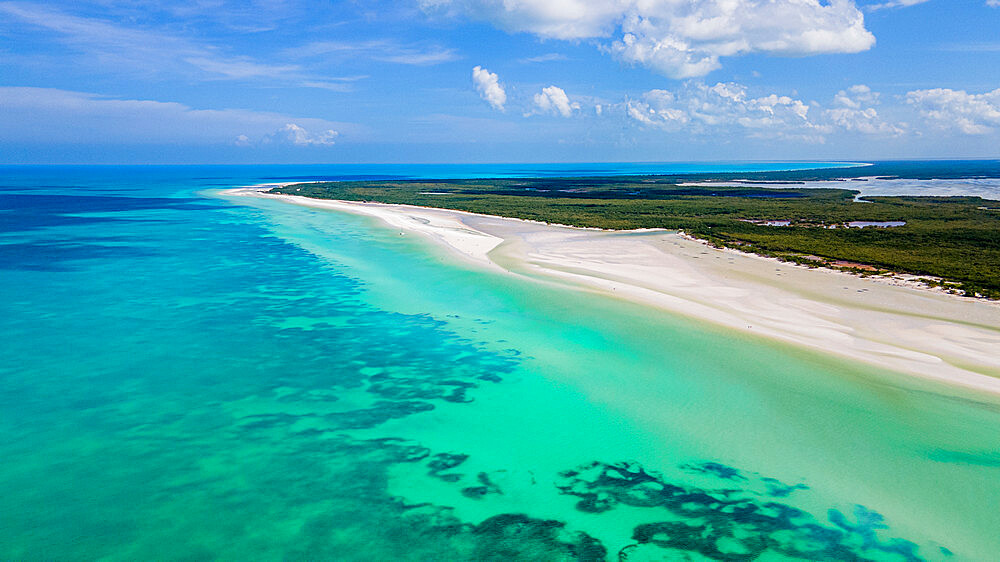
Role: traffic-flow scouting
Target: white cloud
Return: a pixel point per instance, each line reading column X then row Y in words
column 53, row 116
column 896, row 4
column 298, row 136
column 241, row 68
column 378, row 50
column 553, row 100
column 135, row 49
column 972, row 114
column 682, row 38
column 331, row 86
column 559, row 19
column 699, row 108
column 727, row 108
column 905, row 3
column 489, row 88
column 856, row 96
column 853, row 110
column 335, row 83
column 657, row 108
column 548, row 57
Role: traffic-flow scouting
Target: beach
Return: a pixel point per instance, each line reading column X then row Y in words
column 886, row 323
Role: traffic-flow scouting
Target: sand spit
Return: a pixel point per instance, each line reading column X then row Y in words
column 896, row 326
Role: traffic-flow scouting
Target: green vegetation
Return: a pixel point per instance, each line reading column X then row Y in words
column 956, row 239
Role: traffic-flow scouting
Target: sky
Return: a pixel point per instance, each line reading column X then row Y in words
column 290, row 81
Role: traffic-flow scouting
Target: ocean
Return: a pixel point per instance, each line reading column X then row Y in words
column 189, row 376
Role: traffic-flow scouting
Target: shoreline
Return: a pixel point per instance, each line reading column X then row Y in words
column 889, row 324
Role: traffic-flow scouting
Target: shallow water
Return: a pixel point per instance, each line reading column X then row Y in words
column 186, row 376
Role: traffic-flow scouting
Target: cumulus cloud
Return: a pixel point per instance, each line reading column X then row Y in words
column 853, row 110
column 699, row 108
column 729, row 108
column 658, row 108
column 489, row 88
column 972, row 114
column 993, row 3
column 856, row 96
column 298, row 136
column 49, row 115
column 553, row 100
column 682, row 38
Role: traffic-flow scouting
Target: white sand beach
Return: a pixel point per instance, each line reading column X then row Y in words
column 884, row 323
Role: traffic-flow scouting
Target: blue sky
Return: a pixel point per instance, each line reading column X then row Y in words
column 212, row 81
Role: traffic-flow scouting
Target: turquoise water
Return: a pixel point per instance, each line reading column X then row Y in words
column 186, row 376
